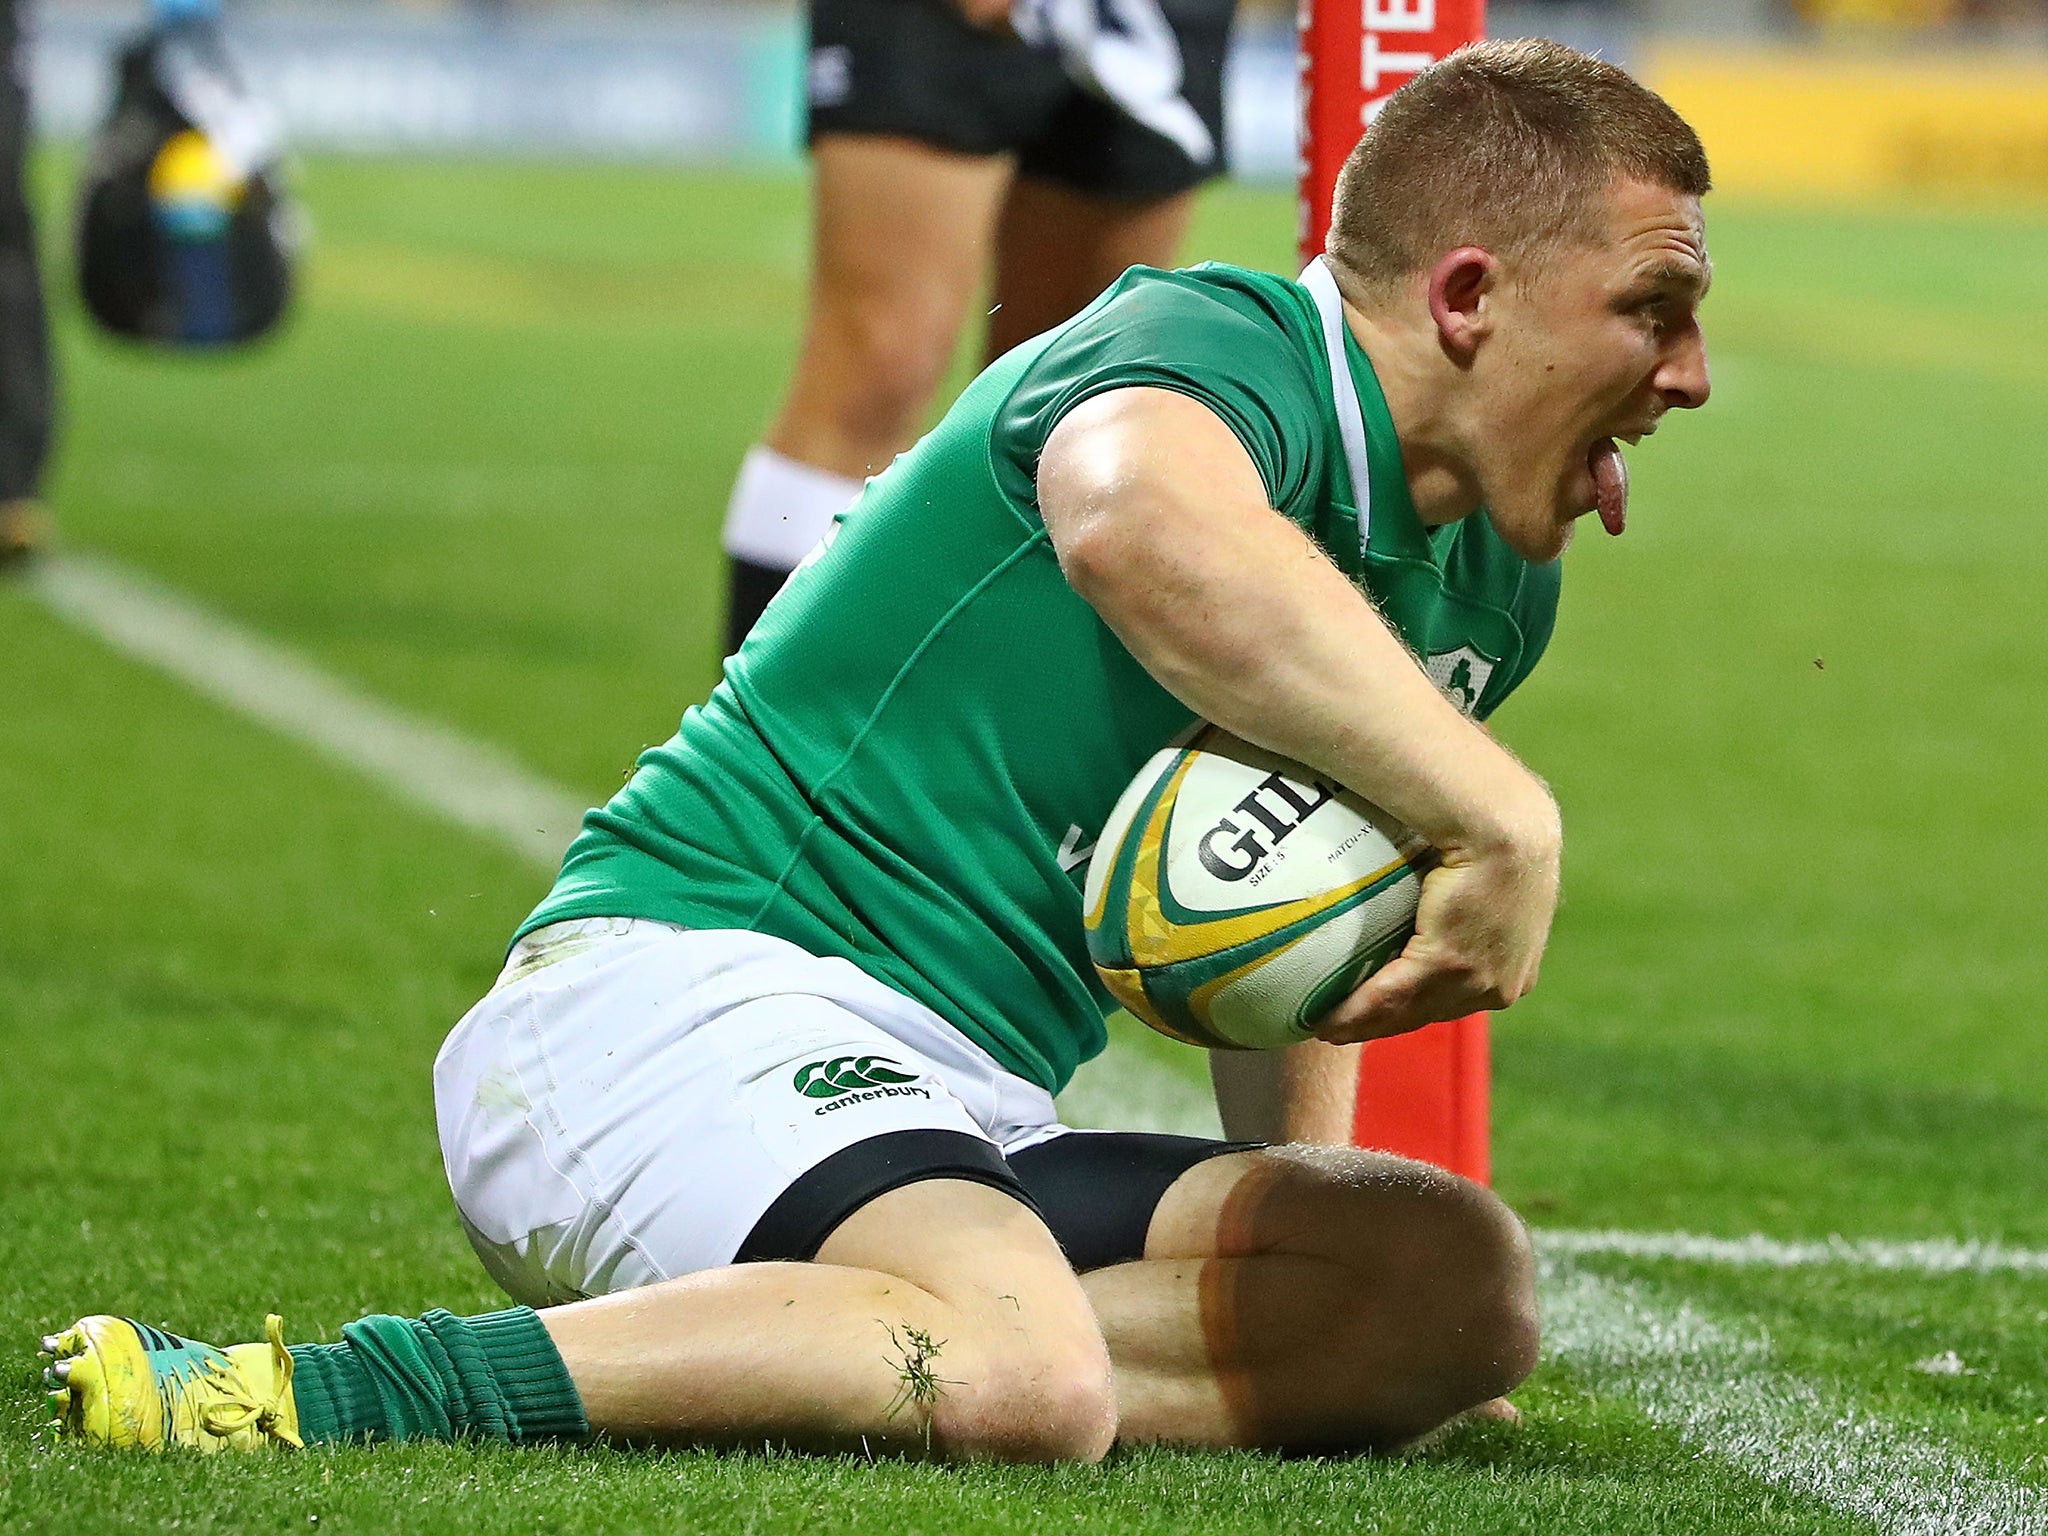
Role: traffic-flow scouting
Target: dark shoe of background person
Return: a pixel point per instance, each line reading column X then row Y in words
column 747, row 591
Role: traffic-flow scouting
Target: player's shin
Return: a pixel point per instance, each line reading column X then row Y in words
column 829, row 1357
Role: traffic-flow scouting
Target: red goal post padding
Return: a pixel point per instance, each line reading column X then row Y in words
column 1426, row 1094
column 1354, row 55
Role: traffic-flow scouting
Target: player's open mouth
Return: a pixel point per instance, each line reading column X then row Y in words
column 1610, row 484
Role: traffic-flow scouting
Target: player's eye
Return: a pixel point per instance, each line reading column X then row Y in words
column 1663, row 313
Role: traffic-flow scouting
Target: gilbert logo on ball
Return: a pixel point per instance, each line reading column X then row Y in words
column 1235, row 897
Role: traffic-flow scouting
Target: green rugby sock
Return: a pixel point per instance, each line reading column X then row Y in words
column 437, row 1377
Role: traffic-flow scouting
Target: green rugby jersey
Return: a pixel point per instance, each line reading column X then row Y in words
column 908, row 761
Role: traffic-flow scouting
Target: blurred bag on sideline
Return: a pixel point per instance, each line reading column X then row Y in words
column 186, row 235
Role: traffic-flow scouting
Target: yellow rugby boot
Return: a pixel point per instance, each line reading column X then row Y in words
column 117, row 1382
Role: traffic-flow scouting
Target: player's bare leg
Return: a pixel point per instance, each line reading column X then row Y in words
column 901, row 235
column 1317, row 1298
column 941, row 1319
column 942, row 1308
column 1056, row 249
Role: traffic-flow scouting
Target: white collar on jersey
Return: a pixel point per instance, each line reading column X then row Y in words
column 1322, row 287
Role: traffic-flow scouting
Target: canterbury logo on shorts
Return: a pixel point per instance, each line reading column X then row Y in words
column 855, row 1080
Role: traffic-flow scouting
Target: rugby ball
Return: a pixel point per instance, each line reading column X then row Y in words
column 1235, row 897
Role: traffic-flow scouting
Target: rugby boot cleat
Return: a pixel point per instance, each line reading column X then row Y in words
column 122, row 1383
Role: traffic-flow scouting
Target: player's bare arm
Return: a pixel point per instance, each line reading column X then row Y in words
column 1238, row 614
column 1307, row 1093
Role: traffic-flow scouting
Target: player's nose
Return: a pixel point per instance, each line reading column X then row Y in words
column 1682, row 376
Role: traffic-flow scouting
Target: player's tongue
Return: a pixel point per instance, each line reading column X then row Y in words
column 1610, row 484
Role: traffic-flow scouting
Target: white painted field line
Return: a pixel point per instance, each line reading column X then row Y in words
column 1721, row 1393
column 1924, row 1256
column 418, row 759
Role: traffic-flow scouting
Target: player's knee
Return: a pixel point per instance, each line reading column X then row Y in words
column 1448, row 1259
column 1498, row 1332
column 892, row 367
column 1471, row 1277
column 889, row 401
column 1057, row 1405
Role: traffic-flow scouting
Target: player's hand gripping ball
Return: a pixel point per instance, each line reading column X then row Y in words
column 1236, row 897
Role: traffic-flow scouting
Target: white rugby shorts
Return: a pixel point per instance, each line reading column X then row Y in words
column 631, row 1101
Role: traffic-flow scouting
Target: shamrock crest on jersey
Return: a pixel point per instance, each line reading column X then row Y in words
column 1460, row 675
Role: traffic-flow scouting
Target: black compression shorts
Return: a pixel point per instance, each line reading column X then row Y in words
column 1096, row 1190
column 918, row 69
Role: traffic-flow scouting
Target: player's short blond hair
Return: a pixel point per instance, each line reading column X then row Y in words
column 1507, row 146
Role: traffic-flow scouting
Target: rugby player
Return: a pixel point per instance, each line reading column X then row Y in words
column 760, row 1112
column 947, row 149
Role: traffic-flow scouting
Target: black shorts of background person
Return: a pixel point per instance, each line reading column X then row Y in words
column 918, row 69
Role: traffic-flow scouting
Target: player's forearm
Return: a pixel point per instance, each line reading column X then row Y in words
column 1307, row 1093
column 1304, row 667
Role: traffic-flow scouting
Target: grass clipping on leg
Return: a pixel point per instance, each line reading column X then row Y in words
column 921, row 1385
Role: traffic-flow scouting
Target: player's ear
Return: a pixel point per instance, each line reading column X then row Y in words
column 1460, row 284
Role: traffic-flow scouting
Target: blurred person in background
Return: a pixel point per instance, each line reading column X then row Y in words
column 1058, row 141
column 27, row 393
column 25, row 390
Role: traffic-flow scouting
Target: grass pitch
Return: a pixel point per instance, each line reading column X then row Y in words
column 1795, row 718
